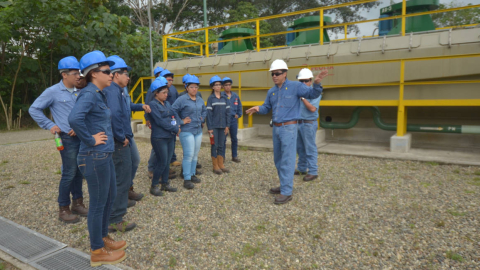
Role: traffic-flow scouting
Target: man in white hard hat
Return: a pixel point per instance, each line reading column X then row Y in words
column 284, row 101
column 307, row 130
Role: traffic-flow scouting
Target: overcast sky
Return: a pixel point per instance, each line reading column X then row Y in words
column 366, row 29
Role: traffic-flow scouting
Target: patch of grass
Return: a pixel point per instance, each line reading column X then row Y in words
column 412, row 226
column 4, row 161
column 455, row 213
column 476, row 179
column 439, row 224
column 476, row 173
column 432, row 163
column 25, row 182
column 249, row 250
column 215, row 234
column 172, row 262
column 9, row 187
column 457, row 171
column 58, row 172
column 243, row 148
column 425, row 184
column 178, row 239
column 454, row 256
column 469, row 191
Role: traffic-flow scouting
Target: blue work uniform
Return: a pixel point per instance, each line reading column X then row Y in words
column 135, row 107
column 171, row 98
column 235, row 109
column 61, row 102
column 307, row 130
column 218, row 118
column 284, row 102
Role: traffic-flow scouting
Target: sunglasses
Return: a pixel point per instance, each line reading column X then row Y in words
column 124, row 73
column 305, row 81
column 105, row 71
column 276, row 74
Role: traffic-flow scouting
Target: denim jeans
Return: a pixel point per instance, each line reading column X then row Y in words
column 233, row 137
column 191, row 146
column 163, row 150
column 152, row 161
column 174, row 157
column 306, row 148
column 98, row 169
column 284, row 155
column 122, row 159
column 71, row 181
column 218, row 149
column 135, row 158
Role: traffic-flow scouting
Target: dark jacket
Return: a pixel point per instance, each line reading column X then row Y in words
column 218, row 112
column 161, row 120
column 235, row 104
column 121, row 126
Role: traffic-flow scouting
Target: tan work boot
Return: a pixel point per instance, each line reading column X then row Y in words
column 216, row 169
column 220, row 164
column 112, row 245
column 79, row 208
column 175, row 163
column 150, row 174
column 66, row 216
column 104, row 256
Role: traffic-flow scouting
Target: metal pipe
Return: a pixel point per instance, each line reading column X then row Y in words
column 150, row 35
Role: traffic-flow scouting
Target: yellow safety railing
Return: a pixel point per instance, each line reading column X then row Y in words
column 204, row 46
column 400, row 103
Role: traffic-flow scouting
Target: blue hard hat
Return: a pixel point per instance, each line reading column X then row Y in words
column 119, row 63
column 226, row 79
column 185, row 77
column 215, row 79
column 166, row 72
column 157, row 70
column 93, row 60
column 69, row 62
column 158, row 83
column 193, row 79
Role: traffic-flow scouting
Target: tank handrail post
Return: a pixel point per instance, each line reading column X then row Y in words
column 321, row 26
column 258, row 34
column 345, row 31
column 206, row 43
column 165, row 51
column 250, row 120
column 402, row 110
column 240, row 119
column 404, row 12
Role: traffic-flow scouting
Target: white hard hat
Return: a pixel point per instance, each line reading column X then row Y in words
column 304, row 74
column 278, row 64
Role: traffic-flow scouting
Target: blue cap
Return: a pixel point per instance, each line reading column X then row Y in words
column 158, row 83
column 69, row 62
column 157, row 70
column 193, row 79
column 185, row 77
column 93, row 60
column 226, row 79
column 215, row 79
column 165, row 73
column 119, row 63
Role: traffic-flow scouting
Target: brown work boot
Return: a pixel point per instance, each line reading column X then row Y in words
column 66, row 215
column 150, row 174
column 236, row 160
column 281, row 199
column 220, row 164
column 79, row 208
column 309, row 177
column 132, row 195
column 104, row 256
column 112, row 245
column 175, row 163
column 275, row 190
column 122, row 226
column 172, row 171
column 216, row 169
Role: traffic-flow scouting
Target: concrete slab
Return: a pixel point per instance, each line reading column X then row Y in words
column 400, row 144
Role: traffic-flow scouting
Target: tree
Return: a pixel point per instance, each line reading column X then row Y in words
column 456, row 18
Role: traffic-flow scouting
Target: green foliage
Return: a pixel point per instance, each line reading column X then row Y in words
column 456, row 18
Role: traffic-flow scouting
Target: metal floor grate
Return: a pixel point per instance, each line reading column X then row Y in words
column 23, row 243
column 67, row 259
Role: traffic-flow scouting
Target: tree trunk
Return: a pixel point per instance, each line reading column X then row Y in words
column 13, row 88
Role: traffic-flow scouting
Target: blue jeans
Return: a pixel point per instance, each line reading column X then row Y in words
column 71, row 181
column 284, row 155
column 191, row 146
column 163, row 149
column 122, row 159
column 98, row 169
column 233, row 137
column 152, row 161
column 174, row 157
column 218, row 149
column 135, row 158
column 306, row 148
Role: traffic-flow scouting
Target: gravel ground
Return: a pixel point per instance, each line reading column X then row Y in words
column 362, row 213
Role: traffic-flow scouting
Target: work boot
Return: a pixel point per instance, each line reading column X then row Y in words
column 275, row 190
column 236, row 160
column 309, row 177
column 167, row 187
column 199, row 166
column 66, row 215
column 297, row 172
column 172, row 176
column 175, row 163
column 79, row 208
column 131, row 203
column 155, row 191
column 282, row 199
column 195, row 179
column 188, row 184
column 132, row 195
column 103, row 256
column 150, row 174
column 122, row 226
column 220, row 164
column 172, row 171
column 216, row 169
column 112, row 245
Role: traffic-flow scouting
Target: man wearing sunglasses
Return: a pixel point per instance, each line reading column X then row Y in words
column 60, row 99
column 307, row 130
column 284, row 101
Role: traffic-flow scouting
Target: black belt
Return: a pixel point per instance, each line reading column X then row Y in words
column 285, row 123
column 305, row 121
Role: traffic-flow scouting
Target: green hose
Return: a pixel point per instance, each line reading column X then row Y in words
column 393, row 127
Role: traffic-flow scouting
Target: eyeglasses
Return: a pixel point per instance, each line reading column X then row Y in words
column 305, row 81
column 125, row 73
column 217, row 84
column 74, row 74
column 276, row 74
column 105, row 71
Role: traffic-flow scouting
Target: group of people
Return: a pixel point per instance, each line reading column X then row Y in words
column 92, row 109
